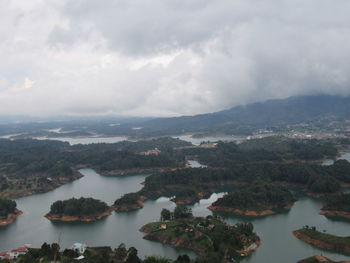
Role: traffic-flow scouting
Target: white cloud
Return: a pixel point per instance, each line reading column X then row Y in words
column 164, row 57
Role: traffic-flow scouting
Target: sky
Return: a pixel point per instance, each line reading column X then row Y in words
column 168, row 57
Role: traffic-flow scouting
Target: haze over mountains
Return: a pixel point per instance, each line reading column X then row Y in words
column 263, row 114
column 318, row 109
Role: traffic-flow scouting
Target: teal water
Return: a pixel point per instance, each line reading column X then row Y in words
column 85, row 140
column 278, row 243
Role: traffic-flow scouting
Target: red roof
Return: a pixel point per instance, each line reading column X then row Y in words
column 20, row 249
column 5, row 255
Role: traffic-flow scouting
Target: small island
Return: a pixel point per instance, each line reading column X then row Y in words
column 337, row 206
column 319, row 259
column 256, row 200
column 128, row 202
column 207, row 237
column 323, row 240
column 82, row 209
column 8, row 211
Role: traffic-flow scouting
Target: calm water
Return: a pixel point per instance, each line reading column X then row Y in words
column 198, row 141
column 85, row 140
column 278, row 243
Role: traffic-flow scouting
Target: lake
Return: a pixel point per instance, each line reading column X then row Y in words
column 278, row 243
column 85, row 140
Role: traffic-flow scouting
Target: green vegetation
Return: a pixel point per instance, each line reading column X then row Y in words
column 7, row 207
column 317, row 259
column 78, row 207
column 311, row 177
column 127, row 200
column 33, row 166
column 180, row 212
column 206, row 236
column 324, row 240
column 338, row 202
column 51, row 253
column 257, row 197
column 276, row 149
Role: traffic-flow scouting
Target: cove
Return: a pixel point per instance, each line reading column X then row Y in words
column 278, row 243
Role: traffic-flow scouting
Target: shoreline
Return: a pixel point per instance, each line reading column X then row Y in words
column 335, row 213
column 10, row 218
column 130, row 207
column 136, row 171
column 66, row 218
column 56, row 184
column 178, row 242
column 255, row 213
column 340, row 248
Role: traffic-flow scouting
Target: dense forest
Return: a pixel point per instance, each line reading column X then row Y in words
column 257, row 197
column 310, row 177
column 324, row 240
column 208, row 237
column 56, row 158
column 338, row 202
column 7, row 207
column 78, row 207
column 34, row 166
column 121, row 254
column 127, row 199
column 276, row 149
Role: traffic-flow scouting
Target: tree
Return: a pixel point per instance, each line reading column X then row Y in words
column 165, row 215
column 182, row 212
column 183, row 259
column 121, row 251
column 132, row 256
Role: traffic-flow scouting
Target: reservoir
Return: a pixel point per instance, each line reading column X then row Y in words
column 278, row 243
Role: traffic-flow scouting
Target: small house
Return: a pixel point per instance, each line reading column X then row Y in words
column 163, row 226
column 79, row 248
column 5, row 255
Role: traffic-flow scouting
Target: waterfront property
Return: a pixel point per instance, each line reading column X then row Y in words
column 79, row 247
column 14, row 253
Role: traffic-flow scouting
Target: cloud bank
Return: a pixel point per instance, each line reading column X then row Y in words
column 168, row 58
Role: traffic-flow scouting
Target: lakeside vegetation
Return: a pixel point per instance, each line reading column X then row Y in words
column 194, row 183
column 7, row 207
column 338, row 202
column 259, row 199
column 32, row 166
column 274, row 149
column 208, row 237
column 48, row 253
column 128, row 202
column 323, row 240
column 318, row 259
column 81, row 209
column 337, row 206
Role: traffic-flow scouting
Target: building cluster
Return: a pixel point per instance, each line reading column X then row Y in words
column 14, row 253
column 151, row 152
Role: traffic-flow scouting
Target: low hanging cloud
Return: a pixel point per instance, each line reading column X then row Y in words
column 168, row 58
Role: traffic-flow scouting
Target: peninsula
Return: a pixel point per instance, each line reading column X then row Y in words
column 337, row 206
column 323, row 240
column 8, row 211
column 319, row 259
column 128, row 202
column 82, row 209
column 207, row 237
column 256, row 200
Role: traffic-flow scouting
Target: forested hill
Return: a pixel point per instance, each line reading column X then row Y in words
column 272, row 112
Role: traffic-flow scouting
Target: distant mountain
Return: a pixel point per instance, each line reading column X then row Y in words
column 320, row 110
column 292, row 110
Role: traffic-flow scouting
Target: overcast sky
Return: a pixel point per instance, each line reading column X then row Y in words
column 168, row 57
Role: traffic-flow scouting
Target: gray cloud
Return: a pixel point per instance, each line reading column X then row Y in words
column 164, row 57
